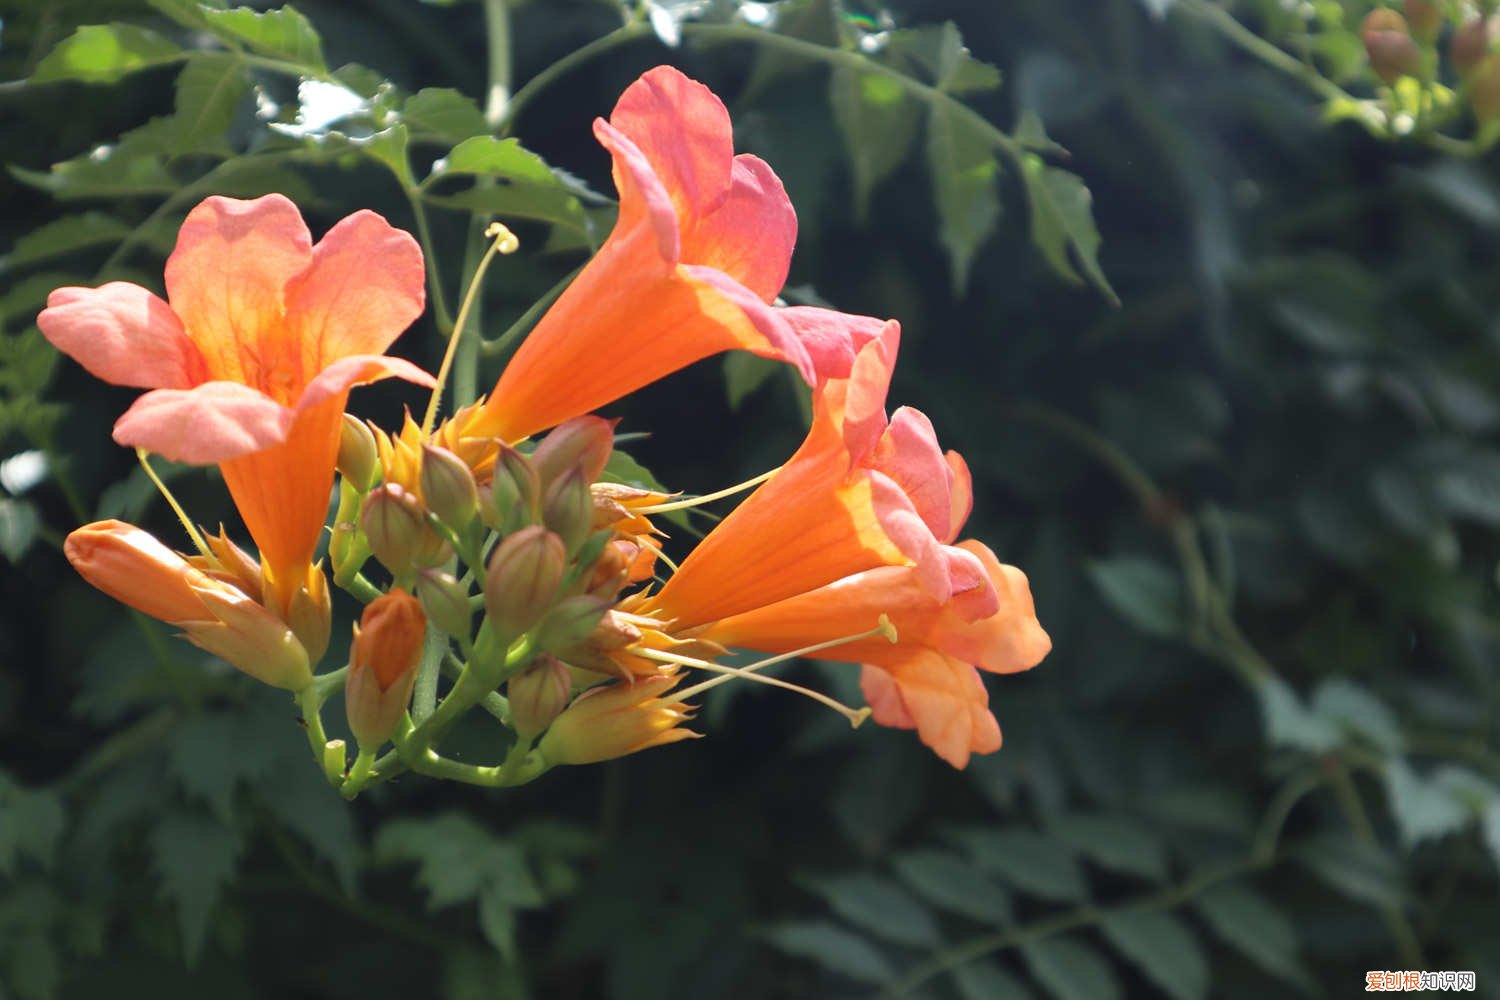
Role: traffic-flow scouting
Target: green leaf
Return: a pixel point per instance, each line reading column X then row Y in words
column 1248, row 923
column 1070, row 970
column 19, row 522
column 1143, row 591
column 878, row 120
column 833, row 948
column 940, row 53
column 1033, row 135
column 65, row 235
column 965, row 177
column 109, row 171
column 986, row 980
column 189, row 13
column 1289, row 723
column 308, row 806
column 522, row 183
column 103, row 53
column 1471, row 488
column 949, row 882
column 1062, row 219
column 443, row 113
column 282, row 33
column 497, row 920
column 209, row 90
column 31, row 823
column 744, row 373
column 195, row 858
column 1363, row 872
column 1119, row 843
column 1164, row 948
column 1353, row 708
column 457, row 860
column 388, row 146
column 877, row 905
column 1027, row 860
column 1424, row 809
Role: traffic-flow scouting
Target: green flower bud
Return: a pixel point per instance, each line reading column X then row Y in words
column 359, row 458
column 395, row 524
column 448, row 487
column 571, row 622
column 583, row 442
column 446, row 601
column 1389, row 45
column 538, row 695
column 568, row 508
column 515, row 492
column 522, row 579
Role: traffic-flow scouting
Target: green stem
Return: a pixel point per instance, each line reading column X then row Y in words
column 501, row 344
column 521, row 98
column 440, row 314
column 497, row 29
column 358, row 585
column 1267, row 52
column 312, row 716
column 424, row 694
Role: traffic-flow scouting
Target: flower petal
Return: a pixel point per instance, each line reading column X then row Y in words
column 776, row 340
column 961, row 496
column 209, row 423
column 946, row 701
column 123, row 334
column 226, row 281
column 683, row 129
column 908, row 452
column 750, row 236
column 132, row 566
column 832, row 338
column 1011, row 639
column 346, row 373
column 364, row 287
column 858, row 403
column 645, row 204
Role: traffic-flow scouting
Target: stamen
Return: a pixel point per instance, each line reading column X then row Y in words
column 884, row 628
column 505, row 242
column 187, row 524
column 855, row 716
column 662, row 508
column 639, row 540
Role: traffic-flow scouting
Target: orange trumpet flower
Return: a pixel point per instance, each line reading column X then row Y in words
column 701, row 249
column 251, row 362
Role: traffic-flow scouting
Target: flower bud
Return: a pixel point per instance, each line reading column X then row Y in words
column 310, row 614
column 515, row 491
column 1484, row 89
column 1389, row 45
column 383, row 663
column 614, row 632
column 395, row 524
column 568, row 508
column 538, row 695
column 570, row 622
column 1425, row 18
column 611, row 570
column 131, row 566
column 1470, row 44
column 233, row 564
column 609, row 722
column 448, row 487
column 583, row 442
column 446, row 601
column 522, row 579
column 359, row 459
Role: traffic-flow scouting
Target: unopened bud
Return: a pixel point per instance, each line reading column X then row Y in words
column 446, row 601
column 1470, row 44
column 448, row 487
column 613, row 632
column 538, row 695
column 395, row 524
column 521, row 581
column 515, row 492
column 310, row 614
column 612, row 569
column 383, row 666
column 571, row 622
column 231, row 564
column 582, row 442
column 568, row 508
column 1389, row 45
column 1425, row 18
column 1484, row 89
column 616, row 720
column 359, row 458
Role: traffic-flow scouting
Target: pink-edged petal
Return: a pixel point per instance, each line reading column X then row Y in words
column 908, row 452
column 949, row 705
column 1011, row 639
column 750, row 236
column 364, row 287
column 210, row 423
column 781, row 342
column 884, row 699
column 123, row 334
column 346, row 373
column 226, row 278
column 864, row 392
column 974, row 596
column 961, row 495
column 910, row 534
column 831, row 338
column 684, row 131
column 643, row 199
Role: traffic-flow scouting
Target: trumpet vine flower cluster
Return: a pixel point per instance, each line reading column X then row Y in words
column 493, row 549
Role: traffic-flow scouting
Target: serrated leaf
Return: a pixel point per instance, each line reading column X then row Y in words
column 189, row 13
column 109, row 171
column 1119, row 843
column 985, row 980
column 833, row 948
column 1348, row 705
column 1290, row 723
column 104, row 53
column 64, row 235
column 877, row 905
column 388, row 146
column 878, row 121
column 31, row 823
column 1143, row 591
column 1164, row 948
column 497, row 921
column 458, row 860
column 1030, row 862
column 1062, row 220
column 1363, row 872
column 195, row 858
column 1247, row 922
column 958, row 72
column 283, row 33
column 1070, row 970
column 1424, row 809
column 308, row 806
column 965, row 176
column 209, row 90
column 949, row 882
column 443, row 113
column 523, row 185
column 19, row 523
column 1033, row 135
